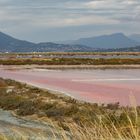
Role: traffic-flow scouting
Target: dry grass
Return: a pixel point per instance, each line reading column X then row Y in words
column 69, row 118
column 92, row 131
column 71, row 61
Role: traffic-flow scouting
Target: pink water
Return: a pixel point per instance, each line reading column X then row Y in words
column 101, row 86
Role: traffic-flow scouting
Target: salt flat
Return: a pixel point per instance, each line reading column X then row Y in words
column 101, row 86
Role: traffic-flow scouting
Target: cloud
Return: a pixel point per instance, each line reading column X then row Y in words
column 18, row 16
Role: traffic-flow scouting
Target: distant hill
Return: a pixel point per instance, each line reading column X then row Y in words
column 117, row 40
column 130, row 49
column 135, row 37
column 101, row 43
column 62, row 47
column 10, row 44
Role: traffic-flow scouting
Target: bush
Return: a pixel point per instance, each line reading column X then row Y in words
column 26, row 108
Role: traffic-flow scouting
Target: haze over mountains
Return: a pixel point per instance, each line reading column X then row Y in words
column 116, row 42
column 135, row 37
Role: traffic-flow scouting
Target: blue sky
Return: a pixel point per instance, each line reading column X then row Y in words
column 52, row 20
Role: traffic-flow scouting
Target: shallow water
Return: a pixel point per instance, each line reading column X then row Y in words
column 101, row 86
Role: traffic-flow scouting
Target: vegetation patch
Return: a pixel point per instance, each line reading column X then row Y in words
column 72, row 61
column 85, row 120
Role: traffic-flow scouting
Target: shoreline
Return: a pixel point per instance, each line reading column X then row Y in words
column 70, row 66
column 58, row 91
column 37, row 108
column 65, row 94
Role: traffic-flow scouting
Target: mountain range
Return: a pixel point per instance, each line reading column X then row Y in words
column 100, row 43
column 117, row 40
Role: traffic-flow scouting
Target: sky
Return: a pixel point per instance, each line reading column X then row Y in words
column 58, row 20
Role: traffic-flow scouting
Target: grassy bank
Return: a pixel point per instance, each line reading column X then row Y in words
column 71, row 61
column 84, row 121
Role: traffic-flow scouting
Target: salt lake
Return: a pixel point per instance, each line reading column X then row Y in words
column 97, row 86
